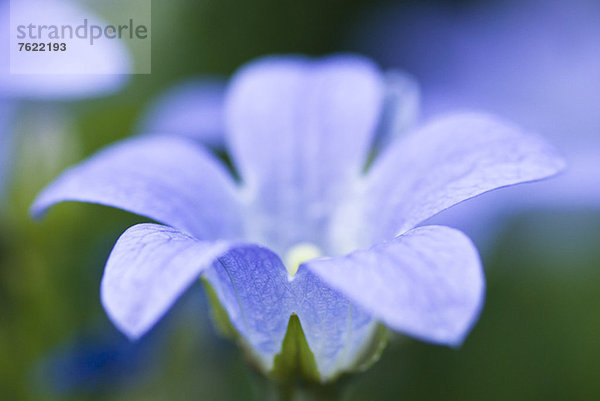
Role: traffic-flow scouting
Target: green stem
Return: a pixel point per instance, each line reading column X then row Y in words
column 300, row 392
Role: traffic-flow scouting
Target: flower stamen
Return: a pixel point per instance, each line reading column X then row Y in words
column 299, row 254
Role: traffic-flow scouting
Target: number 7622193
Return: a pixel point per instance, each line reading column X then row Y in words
column 42, row 47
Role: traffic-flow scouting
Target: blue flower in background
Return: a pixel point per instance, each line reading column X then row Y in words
column 312, row 229
column 193, row 109
column 109, row 56
column 92, row 364
column 5, row 140
column 17, row 88
column 101, row 361
column 536, row 62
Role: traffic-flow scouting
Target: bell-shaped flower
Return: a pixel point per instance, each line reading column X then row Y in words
column 318, row 242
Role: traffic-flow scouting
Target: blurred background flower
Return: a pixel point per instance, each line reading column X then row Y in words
column 38, row 94
column 193, row 109
column 113, row 56
column 538, row 334
column 5, row 141
column 536, row 62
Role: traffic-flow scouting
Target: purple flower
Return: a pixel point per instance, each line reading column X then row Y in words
column 311, row 228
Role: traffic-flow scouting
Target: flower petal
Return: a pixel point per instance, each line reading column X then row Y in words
column 193, row 109
column 427, row 283
column 169, row 179
column 447, row 161
column 299, row 131
column 148, row 269
column 337, row 331
column 401, row 107
column 484, row 218
column 253, row 286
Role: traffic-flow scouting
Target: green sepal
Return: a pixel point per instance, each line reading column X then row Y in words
column 373, row 350
column 218, row 314
column 220, row 319
column 295, row 361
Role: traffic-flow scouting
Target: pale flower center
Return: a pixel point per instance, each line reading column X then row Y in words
column 299, row 254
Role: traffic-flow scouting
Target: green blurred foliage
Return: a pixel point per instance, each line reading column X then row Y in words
column 538, row 336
